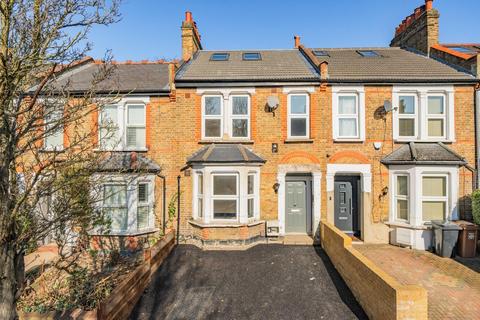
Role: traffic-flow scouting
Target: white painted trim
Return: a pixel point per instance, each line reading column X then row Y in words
column 421, row 93
column 359, row 93
column 226, row 91
column 316, row 172
column 363, row 169
column 298, row 89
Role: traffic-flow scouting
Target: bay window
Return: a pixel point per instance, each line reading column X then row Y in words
column 298, row 116
column 115, row 205
column 402, row 211
column 251, row 195
column 348, row 113
column 434, row 197
column 225, row 196
column 423, row 113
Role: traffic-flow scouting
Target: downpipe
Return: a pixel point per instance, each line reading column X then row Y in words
column 178, row 209
column 477, row 135
column 164, row 181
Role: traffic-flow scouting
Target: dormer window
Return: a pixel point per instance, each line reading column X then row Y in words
column 219, row 56
column 368, row 53
column 320, row 53
column 251, row 56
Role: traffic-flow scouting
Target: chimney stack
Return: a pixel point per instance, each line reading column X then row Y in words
column 190, row 37
column 297, row 41
column 428, row 5
column 324, row 70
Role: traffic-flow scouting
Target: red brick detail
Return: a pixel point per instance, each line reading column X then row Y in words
column 253, row 118
column 205, row 234
column 148, row 125
column 283, row 116
column 198, row 120
column 350, row 155
column 299, row 154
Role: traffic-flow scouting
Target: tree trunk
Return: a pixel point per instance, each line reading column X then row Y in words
column 12, row 270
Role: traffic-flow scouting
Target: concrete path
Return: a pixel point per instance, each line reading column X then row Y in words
column 453, row 289
column 263, row 282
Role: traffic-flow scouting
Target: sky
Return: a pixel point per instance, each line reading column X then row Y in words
column 150, row 29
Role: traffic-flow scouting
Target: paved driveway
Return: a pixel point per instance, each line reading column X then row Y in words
column 264, row 282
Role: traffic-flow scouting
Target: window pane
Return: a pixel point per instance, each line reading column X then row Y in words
column 53, row 122
column 240, row 128
column 136, row 137
column 224, row 209
column 298, row 127
column 224, row 185
column 142, row 217
column 347, row 127
column 407, row 105
column 54, row 139
column 143, row 192
column 347, row 105
column 435, row 105
column 298, row 104
column 200, row 207
column 240, row 105
column 435, row 127
column 200, row 184
column 213, row 106
column 212, row 127
column 433, row 210
column 406, row 127
column 115, row 195
column 136, row 114
column 402, row 209
column 109, row 115
column 434, row 186
column 402, row 185
column 250, row 208
column 118, row 217
column 251, row 182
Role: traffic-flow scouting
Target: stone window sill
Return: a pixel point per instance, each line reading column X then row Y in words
column 298, row 141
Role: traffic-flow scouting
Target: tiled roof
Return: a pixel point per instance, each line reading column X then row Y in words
column 123, row 77
column 122, row 162
column 224, row 153
column 275, row 65
column 392, row 65
column 423, row 153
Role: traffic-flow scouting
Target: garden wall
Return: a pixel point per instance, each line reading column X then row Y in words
column 380, row 295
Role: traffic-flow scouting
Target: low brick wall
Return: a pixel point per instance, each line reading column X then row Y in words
column 123, row 298
column 380, row 295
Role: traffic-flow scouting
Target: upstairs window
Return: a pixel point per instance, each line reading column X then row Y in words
column 347, row 116
column 240, row 116
column 135, row 126
column 53, row 130
column 213, row 116
column 298, row 116
column 109, row 128
column 407, row 116
column 251, row 56
column 348, row 113
column 436, row 116
column 219, row 56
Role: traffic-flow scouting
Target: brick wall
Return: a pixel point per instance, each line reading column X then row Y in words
column 380, row 295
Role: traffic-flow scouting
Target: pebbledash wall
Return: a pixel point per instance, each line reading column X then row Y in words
column 175, row 134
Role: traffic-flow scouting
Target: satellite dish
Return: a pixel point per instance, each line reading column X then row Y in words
column 387, row 106
column 273, row 102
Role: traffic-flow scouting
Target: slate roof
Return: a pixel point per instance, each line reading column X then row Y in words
column 393, row 65
column 124, row 78
column 424, row 153
column 275, row 65
column 225, row 153
column 128, row 162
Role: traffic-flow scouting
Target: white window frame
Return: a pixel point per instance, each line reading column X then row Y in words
column 436, row 199
column 131, row 181
column 354, row 116
column 305, row 116
column 342, row 91
column 413, row 116
column 239, row 117
column 397, row 197
column 122, row 118
column 135, row 126
column 422, row 93
column 199, row 212
column 60, row 130
column 125, row 205
column 437, row 116
column 235, row 197
column 251, row 196
column 213, row 117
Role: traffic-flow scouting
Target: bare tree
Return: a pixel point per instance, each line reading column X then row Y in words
column 40, row 40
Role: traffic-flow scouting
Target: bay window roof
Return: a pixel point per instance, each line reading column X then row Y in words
column 122, row 162
column 225, row 153
column 424, row 153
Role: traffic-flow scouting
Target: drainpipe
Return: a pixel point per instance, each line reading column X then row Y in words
column 178, row 209
column 164, row 201
column 477, row 133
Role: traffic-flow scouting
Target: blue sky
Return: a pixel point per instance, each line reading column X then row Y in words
column 150, row 29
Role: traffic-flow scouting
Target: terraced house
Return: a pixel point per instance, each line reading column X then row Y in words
column 378, row 141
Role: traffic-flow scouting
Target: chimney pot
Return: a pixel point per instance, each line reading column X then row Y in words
column 188, row 16
column 428, row 5
column 297, row 41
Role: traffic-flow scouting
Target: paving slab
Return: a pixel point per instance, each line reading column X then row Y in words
column 264, row 282
column 453, row 289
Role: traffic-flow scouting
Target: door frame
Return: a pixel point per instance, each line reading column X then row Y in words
column 316, row 173
column 307, row 178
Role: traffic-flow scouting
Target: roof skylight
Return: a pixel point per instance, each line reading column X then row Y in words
column 463, row 50
column 368, row 53
column 321, row 53
column 219, row 56
column 251, row 56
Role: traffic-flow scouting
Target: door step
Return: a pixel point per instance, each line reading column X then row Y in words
column 298, row 239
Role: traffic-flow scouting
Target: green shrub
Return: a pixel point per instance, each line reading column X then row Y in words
column 476, row 206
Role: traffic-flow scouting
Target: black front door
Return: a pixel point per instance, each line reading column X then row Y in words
column 347, row 204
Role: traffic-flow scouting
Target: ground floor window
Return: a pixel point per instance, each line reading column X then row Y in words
column 127, row 202
column 226, row 194
column 422, row 194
